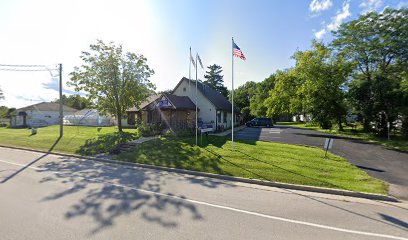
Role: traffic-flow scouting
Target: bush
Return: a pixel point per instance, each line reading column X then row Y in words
column 147, row 130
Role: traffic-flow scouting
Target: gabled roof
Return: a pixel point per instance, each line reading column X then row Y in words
column 177, row 102
column 180, row 102
column 46, row 106
column 216, row 98
column 145, row 103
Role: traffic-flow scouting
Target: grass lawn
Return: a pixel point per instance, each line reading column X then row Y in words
column 77, row 139
column 396, row 141
column 255, row 159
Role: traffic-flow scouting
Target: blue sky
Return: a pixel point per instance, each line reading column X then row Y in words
column 267, row 31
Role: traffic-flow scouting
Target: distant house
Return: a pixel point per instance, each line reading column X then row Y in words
column 87, row 117
column 39, row 115
column 177, row 110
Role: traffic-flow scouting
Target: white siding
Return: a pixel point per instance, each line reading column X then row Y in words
column 207, row 111
column 34, row 117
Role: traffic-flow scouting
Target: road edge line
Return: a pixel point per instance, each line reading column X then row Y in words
column 307, row 188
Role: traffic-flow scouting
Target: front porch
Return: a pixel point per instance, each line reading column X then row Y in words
column 168, row 111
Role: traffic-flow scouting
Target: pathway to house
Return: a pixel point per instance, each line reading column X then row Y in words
column 228, row 132
column 378, row 161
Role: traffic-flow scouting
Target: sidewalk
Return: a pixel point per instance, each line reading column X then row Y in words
column 227, row 132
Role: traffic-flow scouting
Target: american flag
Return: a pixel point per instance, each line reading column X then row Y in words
column 237, row 52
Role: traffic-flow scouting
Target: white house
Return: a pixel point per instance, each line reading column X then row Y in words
column 39, row 115
column 178, row 108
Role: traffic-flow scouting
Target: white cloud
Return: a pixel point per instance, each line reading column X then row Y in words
column 370, row 5
column 336, row 21
column 318, row 6
column 320, row 34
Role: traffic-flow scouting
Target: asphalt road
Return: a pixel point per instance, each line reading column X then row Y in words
column 378, row 161
column 45, row 196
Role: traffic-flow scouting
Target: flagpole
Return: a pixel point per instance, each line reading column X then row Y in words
column 232, row 95
column 189, row 72
column 196, row 100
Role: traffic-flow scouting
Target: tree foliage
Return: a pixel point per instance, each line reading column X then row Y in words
column 283, row 98
column 257, row 105
column 113, row 79
column 215, row 80
column 242, row 99
column 314, row 86
column 75, row 101
column 322, row 77
column 376, row 43
column 6, row 112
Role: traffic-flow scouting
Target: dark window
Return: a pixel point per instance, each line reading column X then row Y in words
column 225, row 117
column 219, row 117
column 184, row 89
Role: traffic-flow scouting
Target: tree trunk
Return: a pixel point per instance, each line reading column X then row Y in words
column 341, row 129
column 119, row 116
column 366, row 125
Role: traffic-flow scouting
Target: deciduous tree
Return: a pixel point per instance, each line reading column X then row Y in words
column 377, row 44
column 113, row 79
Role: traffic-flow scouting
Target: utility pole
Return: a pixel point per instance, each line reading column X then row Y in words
column 232, row 97
column 61, row 105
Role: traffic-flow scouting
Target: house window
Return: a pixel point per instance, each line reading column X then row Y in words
column 184, row 89
column 225, row 117
column 218, row 116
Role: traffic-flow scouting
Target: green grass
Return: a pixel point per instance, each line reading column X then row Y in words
column 76, row 139
column 259, row 160
column 396, row 142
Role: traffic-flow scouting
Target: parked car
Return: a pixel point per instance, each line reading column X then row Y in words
column 267, row 122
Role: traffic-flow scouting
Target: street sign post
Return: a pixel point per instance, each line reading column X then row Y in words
column 328, row 144
column 205, row 130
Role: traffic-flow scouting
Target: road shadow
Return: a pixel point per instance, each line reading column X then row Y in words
column 365, row 216
column 31, row 163
column 106, row 192
column 394, row 221
column 349, row 139
column 369, row 168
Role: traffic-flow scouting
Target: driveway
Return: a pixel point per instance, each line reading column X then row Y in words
column 47, row 197
column 378, row 161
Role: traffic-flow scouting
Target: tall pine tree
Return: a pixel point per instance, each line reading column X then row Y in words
column 215, row 80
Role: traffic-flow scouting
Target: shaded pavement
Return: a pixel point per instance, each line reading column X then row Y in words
column 378, row 161
column 56, row 197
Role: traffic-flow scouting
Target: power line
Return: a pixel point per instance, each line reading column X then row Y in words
column 27, row 68
column 20, row 65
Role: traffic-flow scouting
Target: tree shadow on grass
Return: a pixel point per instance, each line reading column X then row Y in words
column 107, row 192
column 174, row 153
column 105, row 143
